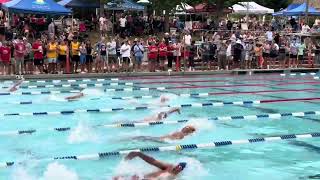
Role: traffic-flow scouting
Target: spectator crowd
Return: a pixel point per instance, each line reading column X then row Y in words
column 225, row 46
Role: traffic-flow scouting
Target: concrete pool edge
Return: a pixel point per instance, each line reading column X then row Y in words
column 138, row 74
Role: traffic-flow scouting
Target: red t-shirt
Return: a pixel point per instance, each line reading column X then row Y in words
column 162, row 51
column 170, row 49
column 5, row 54
column 41, row 21
column 153, row 51
column 38, row 54
column 20, row 49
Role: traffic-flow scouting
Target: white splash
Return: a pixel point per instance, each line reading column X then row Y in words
column 92, row 92
column 56, row 171
column 130, row 168
column 201, row 124
column 56, row 98
column 21, row 174
column 193, row 165
column 82, row 133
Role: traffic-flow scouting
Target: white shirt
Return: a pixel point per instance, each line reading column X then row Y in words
column 125, row 50
column 187, row 39
column 101, row 20
column 123, row 22
column 269, row 35
column 112, row 48
column 305, row 29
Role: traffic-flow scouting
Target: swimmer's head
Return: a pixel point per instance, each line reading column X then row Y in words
column 162, row 115
column 163, row 99
column 180, row 167
column 188, row 130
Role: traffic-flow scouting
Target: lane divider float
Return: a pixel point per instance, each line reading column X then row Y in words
column 198, row 105
column 177, row 148
column 158, row 123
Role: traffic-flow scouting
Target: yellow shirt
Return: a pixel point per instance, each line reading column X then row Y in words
column 63, row 49
column 75, row 48
column 52, row 50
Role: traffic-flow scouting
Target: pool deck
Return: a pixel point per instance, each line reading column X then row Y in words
column 137, row 74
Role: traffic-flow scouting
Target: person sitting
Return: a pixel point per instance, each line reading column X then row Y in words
column 167, row 171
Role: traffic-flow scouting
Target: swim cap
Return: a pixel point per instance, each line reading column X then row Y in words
column 182, row 165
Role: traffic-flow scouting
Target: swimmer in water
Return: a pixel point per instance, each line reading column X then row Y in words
column 73, row 98
column 179, row 135
column 169, row 171
column 16, row 86
column 161, row 115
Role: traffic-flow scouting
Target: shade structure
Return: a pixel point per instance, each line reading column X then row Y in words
column 4, row 1
column 283, row 11
column 207, row 8
column 183, row 8
column 126, row 5
column 301, row 11
column 79, row 4
column 250, row 8
column 36, row 7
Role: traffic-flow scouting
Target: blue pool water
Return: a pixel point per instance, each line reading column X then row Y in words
column 292, row 159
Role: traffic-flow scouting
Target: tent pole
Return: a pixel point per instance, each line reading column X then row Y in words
column 307, row 11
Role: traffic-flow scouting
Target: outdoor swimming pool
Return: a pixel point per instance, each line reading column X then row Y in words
column 38, row 125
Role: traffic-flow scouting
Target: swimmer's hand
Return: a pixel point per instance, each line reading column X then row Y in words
column 132, row 155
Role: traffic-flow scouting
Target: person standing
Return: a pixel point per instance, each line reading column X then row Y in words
column 89, row 57
column 5, row 56
column 83, row 55
column 62, row 56
column 52, row 55
column 170, row 57
column 192, row 55
column 301, row 49
column 293, row 53
column 28, row 61
column 75, row 52
column 138, row 52
column 19, row 52
column 112, row 55
column 222, row 55
column 123, row 25
column 125, row 54
column 37, row 49
column 162, row 54
column 152, row 56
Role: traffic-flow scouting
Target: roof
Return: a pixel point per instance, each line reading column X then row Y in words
column 301, row 10
column 251, row 8
column 36, row 7
column 126, row 5
column 79, row 4
column 313, row 3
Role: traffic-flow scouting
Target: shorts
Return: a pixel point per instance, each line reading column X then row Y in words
column 266, row 55
column 38, row 62
column 5, row 62
column 300, row 57
column 293, row 56
column 103, row 58
column 76, row 58
column 162, row 58
column 126, row 60
column 27, row 59
column 89, row 58
column 52, row 60
column 273, row 55
column 62, row 58
column 113, row 59
column 206, row 58
column 282, row 57
column 82, row 59
column 138, row 59
column 248, row 57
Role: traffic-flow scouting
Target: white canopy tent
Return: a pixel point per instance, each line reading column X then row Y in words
column 250, row 8
column 183, row 8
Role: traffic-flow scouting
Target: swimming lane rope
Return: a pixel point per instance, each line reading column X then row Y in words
column 158, row 123
column 185, row 147
column 199, row 105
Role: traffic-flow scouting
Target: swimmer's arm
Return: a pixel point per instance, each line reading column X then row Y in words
column 148, row 159
column 173, row 110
